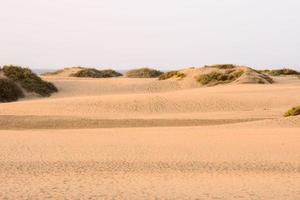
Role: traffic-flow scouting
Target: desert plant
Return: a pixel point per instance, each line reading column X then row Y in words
column 28, row 80
column 144, row 73
column 222, row 66
column 9, row 91
column 293, row 111
column 279, row 72
column 94, row 73
column 215, row 78
column 171, row 74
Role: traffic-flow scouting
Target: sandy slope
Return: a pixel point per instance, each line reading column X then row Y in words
column 140, row 139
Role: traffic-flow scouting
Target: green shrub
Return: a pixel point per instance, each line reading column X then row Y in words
column 215, row 78
column 222, row 66
column 171, row 74
column 9, row 91
column 94, row 73
column 279, row 72
column 293, row 112
column 28, row 80
column 143, row 73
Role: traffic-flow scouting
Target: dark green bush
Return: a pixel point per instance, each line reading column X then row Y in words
column 9, row 91
column 293, row 112
column 215, row 78
column 28, row 80
column 143, row 73
column 94, row 73
column 171, row 74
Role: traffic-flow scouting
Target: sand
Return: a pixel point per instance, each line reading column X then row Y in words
column 126, row 138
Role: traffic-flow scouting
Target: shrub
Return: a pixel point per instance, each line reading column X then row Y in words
column 94, row 73
column 9, row 91
column 215, row 78
column 171, row 74
column 279, row 72
column 28, row 80
column 293, row 112
column 221, row 66
column 143, row 73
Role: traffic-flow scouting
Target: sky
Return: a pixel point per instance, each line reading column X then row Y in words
column 164, row 34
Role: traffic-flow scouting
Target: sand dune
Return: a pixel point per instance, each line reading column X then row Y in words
column 126, row 138
column 172, row 163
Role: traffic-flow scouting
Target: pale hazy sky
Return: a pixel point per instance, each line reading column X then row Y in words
column 165, row 34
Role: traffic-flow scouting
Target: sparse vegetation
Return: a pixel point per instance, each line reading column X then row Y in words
column 28, row 80
column 94, row 73
column 57, row 72
column 279, row 72
column 222, row 66
column 144, row 73
column 171, row 74
column 53, row 73
column 264, row 76
column 215, row 77
column 293, row 112
column 9, row 91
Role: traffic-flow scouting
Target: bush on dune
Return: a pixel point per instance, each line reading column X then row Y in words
column 171, row 74
column 94, row 73
column 279, row 72
column 144, row 73
column 215, row 77
column 293, row 112
column 28, row 80
column 222, row 66
column 9, row 91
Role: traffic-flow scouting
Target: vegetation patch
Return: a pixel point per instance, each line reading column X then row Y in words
column 222, row 66
column 94, row 73
column 264, row 77
column 293, row 112
column 9, row 91
column 53, row 73
column 215, row 77
column 171, row 74
column 60, row 71
column 28, row 80
column 144, row 73
column 280, row 72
